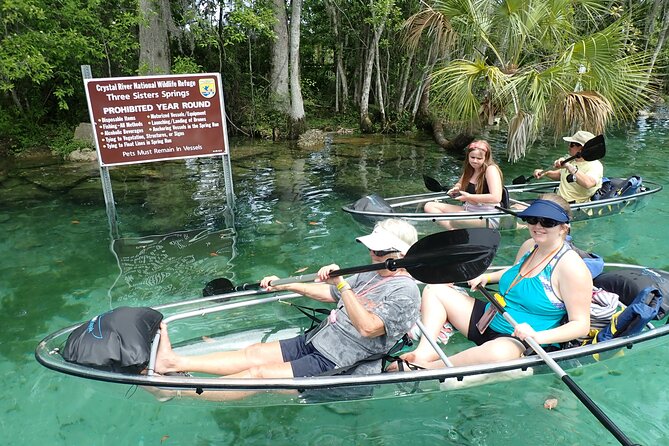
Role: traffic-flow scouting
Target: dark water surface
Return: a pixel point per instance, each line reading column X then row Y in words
column 59, row 266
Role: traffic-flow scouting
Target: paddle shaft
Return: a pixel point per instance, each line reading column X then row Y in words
column 576, row 390
column 561, row 164
column 434, row 345
column 389, row 264
column 443, row 257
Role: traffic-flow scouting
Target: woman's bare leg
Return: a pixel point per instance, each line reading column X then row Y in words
column 440, row 304
column 220, row 363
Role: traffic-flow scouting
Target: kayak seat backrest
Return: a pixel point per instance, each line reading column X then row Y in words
column 505, row 198
column 618, row 187
column 372, row 203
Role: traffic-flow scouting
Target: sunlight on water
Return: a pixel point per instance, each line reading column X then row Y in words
column 59, row 266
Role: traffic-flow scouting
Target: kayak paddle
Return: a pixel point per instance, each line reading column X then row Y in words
column 444, row 257
column 433, row 185
column 594, row 149
column 575, row 389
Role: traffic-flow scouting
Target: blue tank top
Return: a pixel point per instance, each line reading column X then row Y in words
column 532, row 300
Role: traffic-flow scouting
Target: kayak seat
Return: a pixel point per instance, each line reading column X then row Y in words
column 505, row 197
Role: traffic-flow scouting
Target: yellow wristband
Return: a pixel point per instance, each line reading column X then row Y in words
column 341, row 285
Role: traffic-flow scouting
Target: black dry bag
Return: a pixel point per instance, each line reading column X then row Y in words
column 118, row 340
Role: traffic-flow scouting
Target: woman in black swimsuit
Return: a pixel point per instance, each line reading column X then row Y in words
column 483, row 182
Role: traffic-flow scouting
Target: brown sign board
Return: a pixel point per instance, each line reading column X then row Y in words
column 155, row 118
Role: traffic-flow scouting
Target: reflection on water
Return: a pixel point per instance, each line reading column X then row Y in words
column 155, row 266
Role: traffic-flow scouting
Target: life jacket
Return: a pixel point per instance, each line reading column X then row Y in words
column 618, row 187
column 628, row 283
column 594, row 262
column 634, row 317
column 387, row 357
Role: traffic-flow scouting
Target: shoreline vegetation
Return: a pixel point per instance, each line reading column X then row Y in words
column 448, row 70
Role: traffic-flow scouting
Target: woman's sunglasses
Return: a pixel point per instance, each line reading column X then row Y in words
column 574, row 144
column 543, row 221
column 383, row 253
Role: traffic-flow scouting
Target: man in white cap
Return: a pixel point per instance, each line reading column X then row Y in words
column 579, row 179
column 373, row 311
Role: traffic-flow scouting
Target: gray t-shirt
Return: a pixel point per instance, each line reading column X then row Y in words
column 396, row 300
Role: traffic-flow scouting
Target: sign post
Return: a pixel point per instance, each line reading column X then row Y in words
column 157, row 118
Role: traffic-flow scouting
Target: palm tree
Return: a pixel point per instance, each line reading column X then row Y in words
column 555, row 65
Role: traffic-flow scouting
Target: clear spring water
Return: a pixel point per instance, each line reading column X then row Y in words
column 58, row 266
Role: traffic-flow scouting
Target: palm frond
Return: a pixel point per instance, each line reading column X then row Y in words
column 583, row 110
column 521, row 134
column 433, row 24
column 457, row 86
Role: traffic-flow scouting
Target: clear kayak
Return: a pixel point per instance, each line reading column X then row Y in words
column 372, row 208
column 200, row 326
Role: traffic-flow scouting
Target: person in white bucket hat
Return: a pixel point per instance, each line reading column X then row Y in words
column 579, row 179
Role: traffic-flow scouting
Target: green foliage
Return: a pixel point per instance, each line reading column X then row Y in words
column 400, row 122
column 19, row 132
column 247, row 22
column 185, row 65
column 524, row 59
column 62, row 142
column 509, row 58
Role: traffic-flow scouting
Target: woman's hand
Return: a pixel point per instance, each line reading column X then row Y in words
column 265, row 283
column 558, row 163
column 538, row 173
column 454, row 191
column 523, row 331
column 464, row 196
column 324, row 274
column 481, row 280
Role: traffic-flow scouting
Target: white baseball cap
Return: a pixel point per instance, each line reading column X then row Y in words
column 580, row 137
column 382, row 240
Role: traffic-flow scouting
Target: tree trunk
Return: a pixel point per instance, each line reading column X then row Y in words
column 297, row 103
column 279, row 69
column 404, row 82
column 420, row 105
column 365, row 121
column 650, row 21
column 341, row 85
column 154, row 43
column 662, row 37
column 343, row 79
column 379, row 88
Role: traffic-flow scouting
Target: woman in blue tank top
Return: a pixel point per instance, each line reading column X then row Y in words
column 548, row 281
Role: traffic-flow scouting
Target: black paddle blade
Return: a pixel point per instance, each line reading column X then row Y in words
column 432, row 185
column 451, row 256
column 521, row 180
column 594, row 149
column 217, row 286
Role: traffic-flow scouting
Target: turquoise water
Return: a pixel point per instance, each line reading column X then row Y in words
column 58, row 266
